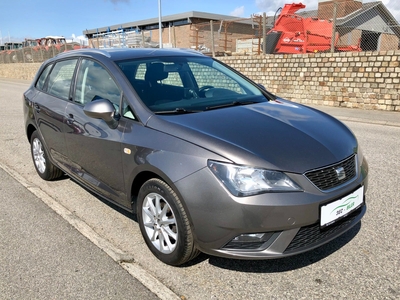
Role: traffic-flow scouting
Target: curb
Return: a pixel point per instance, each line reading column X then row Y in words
column 125, row 260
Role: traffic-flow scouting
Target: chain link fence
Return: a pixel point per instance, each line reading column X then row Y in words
column 34, row 51
column 336, row 26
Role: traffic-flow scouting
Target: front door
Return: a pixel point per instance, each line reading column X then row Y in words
column 94, row 149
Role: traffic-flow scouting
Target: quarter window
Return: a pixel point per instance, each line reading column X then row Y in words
column 42, row 79
column 60, row 78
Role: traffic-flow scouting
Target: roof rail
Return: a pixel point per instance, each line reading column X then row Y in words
column 87, row 50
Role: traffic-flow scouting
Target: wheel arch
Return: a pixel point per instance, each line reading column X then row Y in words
column 29, row 131
column 145, row 173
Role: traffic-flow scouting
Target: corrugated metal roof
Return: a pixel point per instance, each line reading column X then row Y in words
column 171, row 18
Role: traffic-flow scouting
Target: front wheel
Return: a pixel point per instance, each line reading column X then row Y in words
column 43, row 165
column 164, row 223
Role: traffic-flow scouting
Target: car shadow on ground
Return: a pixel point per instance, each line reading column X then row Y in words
column 254, row 266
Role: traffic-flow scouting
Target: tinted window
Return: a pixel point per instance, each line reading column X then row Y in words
column 94, row 82
column 42, row 79
column 60, row 78
column 192, row 83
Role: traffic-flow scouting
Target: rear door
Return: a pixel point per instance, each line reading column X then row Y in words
column 94, row 149
column 50, row 103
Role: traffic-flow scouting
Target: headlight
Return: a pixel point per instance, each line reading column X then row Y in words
column 245, row 181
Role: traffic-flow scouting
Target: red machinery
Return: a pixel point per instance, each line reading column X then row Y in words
column 295, row 34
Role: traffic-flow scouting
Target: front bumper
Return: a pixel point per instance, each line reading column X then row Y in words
column 290, row 220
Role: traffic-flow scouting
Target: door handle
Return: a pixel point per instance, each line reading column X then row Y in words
column 36, row 107
column 70, row 119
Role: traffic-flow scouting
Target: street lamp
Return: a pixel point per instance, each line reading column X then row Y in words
column 159, row 24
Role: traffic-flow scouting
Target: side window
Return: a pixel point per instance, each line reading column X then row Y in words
column 42, row 78
column 127, row 111
column 141, row 70
column 94, row 82
column 60, row 78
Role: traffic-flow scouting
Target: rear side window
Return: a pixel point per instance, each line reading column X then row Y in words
column 42, row 79
column 60, row 78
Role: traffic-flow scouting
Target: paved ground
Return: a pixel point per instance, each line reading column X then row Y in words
column 362, row 264
column 389, row 118
column 43, row 257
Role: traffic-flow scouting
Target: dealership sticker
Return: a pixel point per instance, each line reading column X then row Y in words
column 342, row 207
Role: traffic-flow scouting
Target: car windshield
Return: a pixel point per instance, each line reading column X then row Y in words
column 176, row 85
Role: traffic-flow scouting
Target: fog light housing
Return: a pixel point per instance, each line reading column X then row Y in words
column 249, row 241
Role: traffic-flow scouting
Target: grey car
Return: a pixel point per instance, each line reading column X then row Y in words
column 208, row 160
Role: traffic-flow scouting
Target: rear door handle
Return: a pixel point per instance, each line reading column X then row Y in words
column 70, row 119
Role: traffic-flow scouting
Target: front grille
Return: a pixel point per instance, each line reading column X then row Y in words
column 312, row 234
column 327, row 178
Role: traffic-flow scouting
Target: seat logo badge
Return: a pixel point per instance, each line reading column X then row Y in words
column 340, row 173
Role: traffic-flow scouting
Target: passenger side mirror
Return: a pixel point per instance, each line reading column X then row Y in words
column 102, row 109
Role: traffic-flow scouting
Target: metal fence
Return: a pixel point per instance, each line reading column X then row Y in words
column 36, row 53
column 123, row 39
column 336, row 26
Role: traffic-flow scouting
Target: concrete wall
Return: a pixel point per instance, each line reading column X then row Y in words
column 367, row 80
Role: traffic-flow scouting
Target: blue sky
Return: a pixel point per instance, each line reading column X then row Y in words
column 21, row 19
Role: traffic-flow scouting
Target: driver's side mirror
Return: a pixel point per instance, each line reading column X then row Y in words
column 102, row 109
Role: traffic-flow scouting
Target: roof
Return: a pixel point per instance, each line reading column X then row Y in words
column 129, row 53
column 367, row 8
column 176, row 18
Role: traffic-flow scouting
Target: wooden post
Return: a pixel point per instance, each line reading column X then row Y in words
column 333, row 27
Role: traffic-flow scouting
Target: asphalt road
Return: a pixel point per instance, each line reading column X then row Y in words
column 362, row 264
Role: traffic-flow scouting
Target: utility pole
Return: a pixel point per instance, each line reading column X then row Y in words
column 159, row 24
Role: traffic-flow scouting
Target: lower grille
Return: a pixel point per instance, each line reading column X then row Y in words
column 312, row 234
column 327, row 178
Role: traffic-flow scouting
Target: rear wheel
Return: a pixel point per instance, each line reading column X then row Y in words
column 43, row 165
column 164, row 223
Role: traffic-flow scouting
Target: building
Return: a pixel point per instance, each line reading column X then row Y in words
column 186, row 30
column 369, row 25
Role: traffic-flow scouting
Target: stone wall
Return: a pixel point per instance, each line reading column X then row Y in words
column 367, row 80
column 19, row 70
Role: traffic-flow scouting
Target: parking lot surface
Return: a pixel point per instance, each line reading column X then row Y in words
column 362, row 264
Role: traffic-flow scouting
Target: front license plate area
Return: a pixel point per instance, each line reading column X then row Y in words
column 336, row 210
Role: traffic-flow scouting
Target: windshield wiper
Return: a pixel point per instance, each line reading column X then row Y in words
column 234, row 103
column 176, row 111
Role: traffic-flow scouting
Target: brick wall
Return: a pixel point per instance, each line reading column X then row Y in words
column 368, row 80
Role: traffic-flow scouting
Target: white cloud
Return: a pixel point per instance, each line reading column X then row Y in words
column 394, row 7
column 271, row 6
column 238, row 12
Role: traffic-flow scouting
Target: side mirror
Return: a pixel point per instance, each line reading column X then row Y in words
column 102, row 109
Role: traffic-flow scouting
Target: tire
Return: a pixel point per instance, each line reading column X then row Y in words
column 164, row 223
column 44, row 167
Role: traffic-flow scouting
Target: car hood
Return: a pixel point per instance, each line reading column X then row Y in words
column 278, row 135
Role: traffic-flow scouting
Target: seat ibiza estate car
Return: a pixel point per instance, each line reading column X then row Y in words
column 208, row 160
